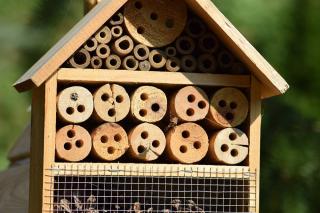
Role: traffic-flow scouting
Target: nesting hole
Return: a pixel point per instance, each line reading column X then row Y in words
column 189, row 63
column 229, row 116
column 79, row 143
column 169, row 23
column 143, row 112
column 116, row 18
column 111, row 112
column 173, row 64
column 131, row 63
column 90, row 43
column 233, row 105
column 154, row 16
column 119, row 99
column 124, row 45
column 222, row 103
column 102, row 34
column 234, row 153
column 171, row 52
column 113, row 62
column 96, row 62
column 141, row 52
column 105, row 97
column 140, row 30
column 183, row 149
column 197, row 145
column 144, row 135
column 144, row 96
column 80, row 58
column 224, row 148
column 202, row 104
column 185, row 134
column 117, row 138
column 70, row 110
column 116, row 31
column 233, row 136
column 225, row 58
column 110, row 150
column 67, row 146
column 138, row 5
column 156, row 143
column 71, row 133
column 157, row 58
column 207, row 63
column 209, row 43
column 141, row 149
column 103, row 50
column 185, row 44
column 104, row 139
column 81, row 108
column 190, row 112
column 155, row 107
column 191, row 98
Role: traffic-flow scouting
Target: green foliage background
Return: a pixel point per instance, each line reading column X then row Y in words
column 286, row 32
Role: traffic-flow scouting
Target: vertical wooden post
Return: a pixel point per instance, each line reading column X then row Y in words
column 254, row 137
column 88, row 5
column 42, row 146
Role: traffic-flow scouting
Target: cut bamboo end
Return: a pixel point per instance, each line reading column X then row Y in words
column 228, row 108
column 116, row 31
column 208, row 43
column 96, row 62
column 188, row 63
column 173, row 64
column 225, row 59
column 130, row 63
column 195, row 28
column 103, row 51
column 228, row 146
column 109, row 142
column 123, row 46
column 75, row 104
column 113, row 62
column 185, row 45
column 144, row 65
column 104, row 35
column 117, row 19
column 81, row 59
column 73, row 143
column 148, row 104
column 157, row 59
column 187, row 143
column 91, row 45
column 171, row 51
column 111, row 103
column 141, row 52
column 155, row 25
column 190, row 104
column 147, row 142
column 207, row 63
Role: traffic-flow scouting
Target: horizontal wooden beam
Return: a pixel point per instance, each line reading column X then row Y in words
column 71, row 75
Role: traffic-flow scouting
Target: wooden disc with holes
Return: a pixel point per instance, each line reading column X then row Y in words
column 228, row 146
column 228, row 108
column 189, row 104
column 147, row 142
column 75, row 104
column 148, row 104
column 73, row 143
column 109, row 141
column 155, row 23
column 187, row 143
column 111, row 103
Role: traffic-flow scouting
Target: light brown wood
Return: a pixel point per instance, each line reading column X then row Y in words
column 75, row 104
column 123, row 46
column 81, row 59
column 113, row 62
column 73, row 143
column 225, row 59
column 144, row 65
column 130, row 63
column 21, row 148
column 91, row 44
column 187, row 143
column 189, row 63
column 111, row 103
column 103, row 36
column 228, row 108
column 207, row 63
column 110, row 142
column 208, row 43
column 103, row 51
column 141, row 52
column 148, row 104
column 185, row 45
column 155, row 78
column 96, row 62
column 116, row 31
column 155, row 24
column 195, row 27
column 189, row 104
column 157, row 59
column 117, row 19
column 147, row 142
column 228, row 146
column 173, row 64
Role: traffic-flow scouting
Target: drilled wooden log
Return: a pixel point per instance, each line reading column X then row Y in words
column 103, row 51
column 103, row 36
column 148, row 104
column 141, row 52
column 116, row 19
column 123, row 46
column 130, row 63
column 171, row 51
column 96, row 62
column 81, row 59
column 153, row 24
column 228, row 146
column 185, row 45
column 225, row 59
column 157, row 59
column 188, row 63
column 113, row 62
column 144, row 65
column 73, row 143
column 187, row 143
column 109, row 142
column 111, row 103
column 75, row 104
column 208, row 43
column 91, row 45
column 146, row 142
column 228, row 108
column 173, row 64
column 207, row 63
column 189, row 104
column 195, row 28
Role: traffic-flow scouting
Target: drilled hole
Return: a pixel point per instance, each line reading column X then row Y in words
column 67, row 146
column 156, row 143
column 70, row 110
column 104, row 139
column 117, row 138
column 81, row 108
column 191, row 98
column 79, row 143
column 202, row 104
column 138, row 5
column 111, row 112
column 119, row 99
column 71, row 133
column 110, row 150
column 224, row 148
column 141, row 149
column 185, row 134
column 140, row 30
column 183, row 149
column 144, row 135
column 143, row 112
column 229, row 116
column 222, row 103
column 155, row 107
column 105, row 97
column 169, row 23
column 124, row 45
column 154, row 16
column 233, row 105
column 144, row 96
column 190, row 112
column 197, row 145
column 233, row 136
column 96, row 62
column 234, row 153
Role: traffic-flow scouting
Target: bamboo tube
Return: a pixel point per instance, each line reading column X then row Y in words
column 187, row 143
column 109, row 142
column 189, row 104
column 111, row 103
column 171, row 51
column 130, row 63
column 104, row 35
column 113, row 62
column 173, row 64
column 228, row 146
column 81, row 59
column 75, row 104
column 73, row 143
column 185, row 45
column 157, row 59
column 228, row 108
column 195, row 28
column 207, row 63
column 208, row 43
column 91, row 44
column 225, row 59
column 141, row 52
column 96, row 62
column 144, row 65
column 148, row 104
column 123, row 46
column 117, row 19
column 146, row 142
column 103, row 51
column 188, row 63
column 116, row 31
column 238, row 68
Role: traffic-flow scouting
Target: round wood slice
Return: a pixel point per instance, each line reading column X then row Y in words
column 73, row 143
column 228, row 146
column 155, row 23
column 148, row 104
column 187, row 143
column 147, row 142
column 110, row 141
column 111, row 103
column 75, row 104
column 228, row 108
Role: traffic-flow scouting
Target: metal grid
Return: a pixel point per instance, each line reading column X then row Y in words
column 138, row 190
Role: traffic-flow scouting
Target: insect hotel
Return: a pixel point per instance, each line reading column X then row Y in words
column 148, row 106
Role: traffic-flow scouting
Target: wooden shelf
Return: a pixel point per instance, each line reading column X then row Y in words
column 91, row 76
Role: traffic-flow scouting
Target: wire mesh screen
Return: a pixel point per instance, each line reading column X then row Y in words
column 191, row 191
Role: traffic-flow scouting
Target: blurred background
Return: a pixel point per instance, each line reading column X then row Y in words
column 286, row 32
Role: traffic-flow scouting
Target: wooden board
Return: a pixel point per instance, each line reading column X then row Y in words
column 149, row 77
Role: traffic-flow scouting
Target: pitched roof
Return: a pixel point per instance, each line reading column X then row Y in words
column 273, row 83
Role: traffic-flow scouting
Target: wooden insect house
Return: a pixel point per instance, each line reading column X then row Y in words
column 148, row 106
